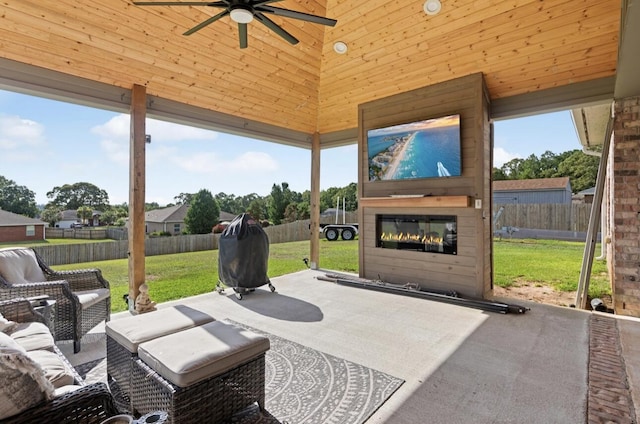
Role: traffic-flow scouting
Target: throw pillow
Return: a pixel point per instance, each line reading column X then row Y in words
column 6, row 326
column 24, row 382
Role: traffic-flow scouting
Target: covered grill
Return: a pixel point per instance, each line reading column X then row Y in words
column 243, row 256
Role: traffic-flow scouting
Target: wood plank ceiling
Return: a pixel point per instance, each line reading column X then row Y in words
column 521, row 46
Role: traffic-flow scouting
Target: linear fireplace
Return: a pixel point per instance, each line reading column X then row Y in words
column 423, row 233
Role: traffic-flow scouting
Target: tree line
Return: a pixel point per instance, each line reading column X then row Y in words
column 581, row 168
column 280, row 206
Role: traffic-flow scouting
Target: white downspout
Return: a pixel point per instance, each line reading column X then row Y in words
column 604, row 215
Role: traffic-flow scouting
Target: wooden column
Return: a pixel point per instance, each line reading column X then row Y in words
column 137, row 192
column 315, row 202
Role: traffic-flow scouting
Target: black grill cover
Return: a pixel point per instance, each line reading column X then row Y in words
column 243, row 254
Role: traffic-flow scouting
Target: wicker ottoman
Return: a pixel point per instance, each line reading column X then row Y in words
column 125, row 335
column 205, row 374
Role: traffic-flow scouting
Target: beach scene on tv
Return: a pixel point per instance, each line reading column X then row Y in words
column 423, row 149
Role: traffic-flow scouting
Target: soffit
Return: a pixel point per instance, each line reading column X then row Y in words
column 591, row 122
column 521, row 47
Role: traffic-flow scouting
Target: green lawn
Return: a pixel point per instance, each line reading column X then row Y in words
column 181, row 275
column 547, row 262
column 553, row 263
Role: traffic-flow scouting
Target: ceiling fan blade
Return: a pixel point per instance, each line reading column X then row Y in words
column 222, row 3
column 297, row 15
column 242, row 31
column 275, row 28
column 260, row 3
column 207, row 22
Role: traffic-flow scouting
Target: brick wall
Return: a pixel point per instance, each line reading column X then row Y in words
column 19, row 233
column 626, row 207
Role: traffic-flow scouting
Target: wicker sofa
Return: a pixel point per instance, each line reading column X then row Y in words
column 39, row 384
column 83, row 297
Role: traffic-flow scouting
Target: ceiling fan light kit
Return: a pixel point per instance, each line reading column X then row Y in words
column 241, row 16
column 432, row 7
column 245, row 11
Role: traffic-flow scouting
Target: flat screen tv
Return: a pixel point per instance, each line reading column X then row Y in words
column 421, row 149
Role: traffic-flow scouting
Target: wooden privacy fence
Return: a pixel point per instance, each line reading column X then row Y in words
column 574, row 217
column 547, row 216
column 76, row 233
column 114, row 233
column 118, row 249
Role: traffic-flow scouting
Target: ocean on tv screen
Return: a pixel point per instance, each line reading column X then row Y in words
column 417, row 153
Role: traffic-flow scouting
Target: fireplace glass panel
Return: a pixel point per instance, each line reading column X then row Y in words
column 423, row 233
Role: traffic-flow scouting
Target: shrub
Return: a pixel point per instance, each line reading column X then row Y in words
column 160, row 234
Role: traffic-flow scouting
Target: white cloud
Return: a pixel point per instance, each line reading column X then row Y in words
column 253, row 162
column 199, row 163
column 213, row 163
column 17, row 132
column 115, row 136
column 118, row 128
column 501, row 156
column 167, row 131
column 116, row 151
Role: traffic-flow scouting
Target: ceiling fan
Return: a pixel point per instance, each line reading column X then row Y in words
column 244, row 11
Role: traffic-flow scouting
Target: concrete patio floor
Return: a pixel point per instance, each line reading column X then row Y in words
column 460, row 365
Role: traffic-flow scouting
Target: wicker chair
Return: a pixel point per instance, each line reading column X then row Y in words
column 90, row 403
column 83, row 297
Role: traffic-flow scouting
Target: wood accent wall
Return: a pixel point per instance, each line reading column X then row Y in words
column 470, row 271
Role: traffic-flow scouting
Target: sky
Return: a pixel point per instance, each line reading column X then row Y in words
column 46, row 144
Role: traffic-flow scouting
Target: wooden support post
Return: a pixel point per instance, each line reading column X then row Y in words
column 315, row 202
column 137, row 192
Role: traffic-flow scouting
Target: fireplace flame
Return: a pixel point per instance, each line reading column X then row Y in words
column 414, row 238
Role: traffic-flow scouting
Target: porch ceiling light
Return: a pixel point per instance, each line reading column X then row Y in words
column 432, row 7
column 340, row 47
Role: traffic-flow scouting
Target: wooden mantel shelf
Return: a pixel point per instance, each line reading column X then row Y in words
column 415, row 201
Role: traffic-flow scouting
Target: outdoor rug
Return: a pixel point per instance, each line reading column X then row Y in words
column 303, row 385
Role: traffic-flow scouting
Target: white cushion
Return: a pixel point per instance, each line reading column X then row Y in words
column 66, row 389
column 18, row 265
column 23, row 381
column 32, row 335
column 54, row 369
column 89, row 298
column 131, row 331
column 187, row 357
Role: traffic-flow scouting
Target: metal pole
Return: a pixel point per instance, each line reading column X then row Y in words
column 344, row 208
column 594, row 220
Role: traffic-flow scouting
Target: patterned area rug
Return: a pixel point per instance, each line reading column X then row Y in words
column 304, row 385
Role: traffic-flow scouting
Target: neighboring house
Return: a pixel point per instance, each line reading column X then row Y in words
column 584, row 196
column 226, row 216
column 224, row 220
column 169, row 220
column 541, row 190
column 70, row 219
column 14, row 227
